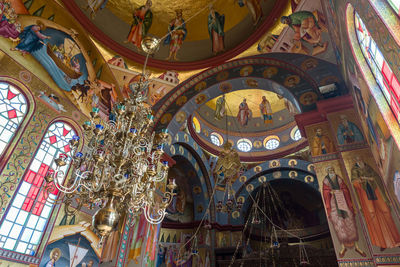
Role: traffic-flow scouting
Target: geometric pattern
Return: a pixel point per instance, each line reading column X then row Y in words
column 13, row 108
column 27, row 216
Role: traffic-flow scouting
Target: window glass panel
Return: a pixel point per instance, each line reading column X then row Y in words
column 41, row 224
column 31, row 204
column 5, row 228
column 22, row 217
column 9, row 243
column 12, row 214
column 15, row 231
column 24, row 188
column 22, row 247
column 378, row 65
column 26, row 236
column 13, row 108
column 395, row 5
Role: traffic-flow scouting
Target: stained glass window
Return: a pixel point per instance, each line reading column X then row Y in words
column 216, row 139
column 387, row 81
column 26, row 219
column 13, row 108
column 244, row 145
column 395, row 5
column 272, row 144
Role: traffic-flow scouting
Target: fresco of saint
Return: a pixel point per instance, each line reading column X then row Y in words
column 255, row 9
column 306, row 27
column 348, row 132
column 321, row 144
column 340, row 211
column 266, row 110
column 142, row 20
column 95, row 6
column 57, row 52
column 220, row 108
column 31, row 39
column 55, row 254
column 216, row 24
column 9, row 25
column 244, row 113
column 176, row 35
column 374, row 205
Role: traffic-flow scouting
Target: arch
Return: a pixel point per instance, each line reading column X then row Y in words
column 17, row 106
column 27, row 217
column 296, row 81
column 185, row 146
column 369, row 77
column 271, row 170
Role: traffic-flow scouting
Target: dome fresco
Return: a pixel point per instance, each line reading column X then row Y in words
column 269, row 123
column 196, row 44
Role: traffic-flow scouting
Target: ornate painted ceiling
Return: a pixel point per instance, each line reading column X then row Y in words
column 241, row 27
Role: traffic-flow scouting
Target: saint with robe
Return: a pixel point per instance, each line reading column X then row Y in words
column 348, row 132
column 254, row 7
column 216, row 24
column 244, row 113
column 95, row 6
column 142, row 20
column 9, row 25
column 340, row 211
column 220, row 108
column 55, row 255
column 176, row 35
column 305, row 26
column 321, row 144
column 31, row 39
column 374, row 205
column 266, row 110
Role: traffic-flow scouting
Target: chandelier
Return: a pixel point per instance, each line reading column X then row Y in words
column 226, row 170
column 119, row 166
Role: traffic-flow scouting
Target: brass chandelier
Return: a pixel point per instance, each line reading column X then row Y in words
column 119, row 166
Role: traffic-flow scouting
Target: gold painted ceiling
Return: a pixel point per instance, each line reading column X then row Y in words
column 164, row 11
column 253, row 99
column 240, row 31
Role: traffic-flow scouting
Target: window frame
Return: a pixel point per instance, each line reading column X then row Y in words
column 49, row 224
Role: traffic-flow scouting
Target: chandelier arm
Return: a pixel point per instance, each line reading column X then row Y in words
column 73, row 187
column 152, row 220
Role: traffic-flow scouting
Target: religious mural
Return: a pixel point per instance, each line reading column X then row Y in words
column 348, row 131
column 142, row 20
column 306, row 33
column 341, row 210
column 372, row 199
column 181, row 208
column 56, row 51
column 321, row 141
column 73, row 245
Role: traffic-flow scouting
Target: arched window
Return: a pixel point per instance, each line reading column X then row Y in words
column 216, row 139
column 196, row 125
column 387, row 81
column 271, row 142
column 295, row 134
column 13, row 108
column 395, row 4
column 244, row 145
column 27, row 216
